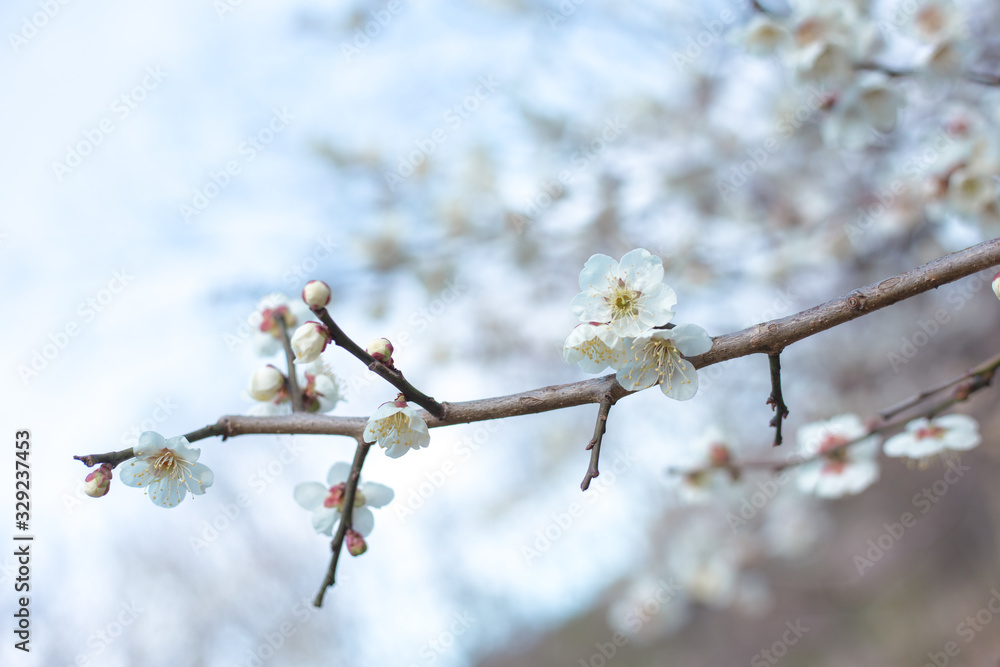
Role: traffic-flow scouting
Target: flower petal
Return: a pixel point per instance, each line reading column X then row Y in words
column 377, row 495
column 682, row 384
column 690, row 339
column 149, row 442
column 338, row 473
column 310, row 495
column 324, row 519
column 167, row 491
column 135, row 473
column 362, row 520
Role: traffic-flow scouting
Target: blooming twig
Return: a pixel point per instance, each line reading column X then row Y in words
column 345, row 519
column 391, row 375
column 775, row 400
column 293, row 382
column 595, row 443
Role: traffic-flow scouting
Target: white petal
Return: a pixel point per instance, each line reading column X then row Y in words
column 377, row 495
column 683, row 383
column 689, row 339
column 596, row 271
column 135, row 473
column 362, row 520
column 324, row 519
column 201, row 477
column 310, row 495
column 183, row 448
column 338, row 473
column 149, row 442
column 167, row 492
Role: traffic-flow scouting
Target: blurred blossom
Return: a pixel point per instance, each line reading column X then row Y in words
column 836, row 470
column 926, row 437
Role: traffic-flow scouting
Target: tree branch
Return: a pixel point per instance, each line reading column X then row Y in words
column 346, row 515
column 390, row 375
column 595, row 443
column 293, row 378
column 775, row 400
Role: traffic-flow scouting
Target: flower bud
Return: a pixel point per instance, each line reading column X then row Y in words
column 316, row 294
column 355, row 543
column 381, row 349
column 266, row 383
column 308, row 341
column 97, row 483
column 996, row 285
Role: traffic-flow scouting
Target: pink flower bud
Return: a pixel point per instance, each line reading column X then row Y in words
column 316, row 294
column 355, row 543
column 381, row 349
column 97, row 483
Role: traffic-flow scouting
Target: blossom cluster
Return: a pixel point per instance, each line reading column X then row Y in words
column 626, row 310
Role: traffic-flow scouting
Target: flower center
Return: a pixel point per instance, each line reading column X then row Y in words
column 336, row 496
column 832, row 447
column 718, row 454
column 623, row 301
column 270, row 324
column 935, row 432
column 168, row 464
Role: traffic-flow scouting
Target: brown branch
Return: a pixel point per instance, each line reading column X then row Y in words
column 981, row 78
column 346, row 514
column 293, row 378
column 765, row 338
column 595, row 443
column 775, row 400
column 390, row 375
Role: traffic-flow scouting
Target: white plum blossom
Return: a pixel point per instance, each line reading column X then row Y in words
column 655, row 358
column 167, row 467
column 763, row 35
column 326, row 502
column 926, row 437
column 709, row 457
column 593, row 347
column 267, row 333
column 316, row 294
column 971, row 191
column 309, row 341
column 319, row 387
column 628, row 295
column 996, row 285
column 397, row 428
column 937, row 22
column 837, row 470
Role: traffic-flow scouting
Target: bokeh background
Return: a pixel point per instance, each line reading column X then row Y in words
column 448, row 168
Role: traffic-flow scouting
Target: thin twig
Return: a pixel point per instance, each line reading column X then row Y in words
column 293, row 380
column 346, row 514
column 595, row 443
column 982, row 78
column 391, row 375
column 991, row 364
column 775, row 400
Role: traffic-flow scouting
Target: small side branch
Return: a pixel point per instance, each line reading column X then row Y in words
column 775, row 400
column 595, row 443
column 345, row 519
column 988, row 366
column 114, row 458
column 390, row 375
column 293, row 379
